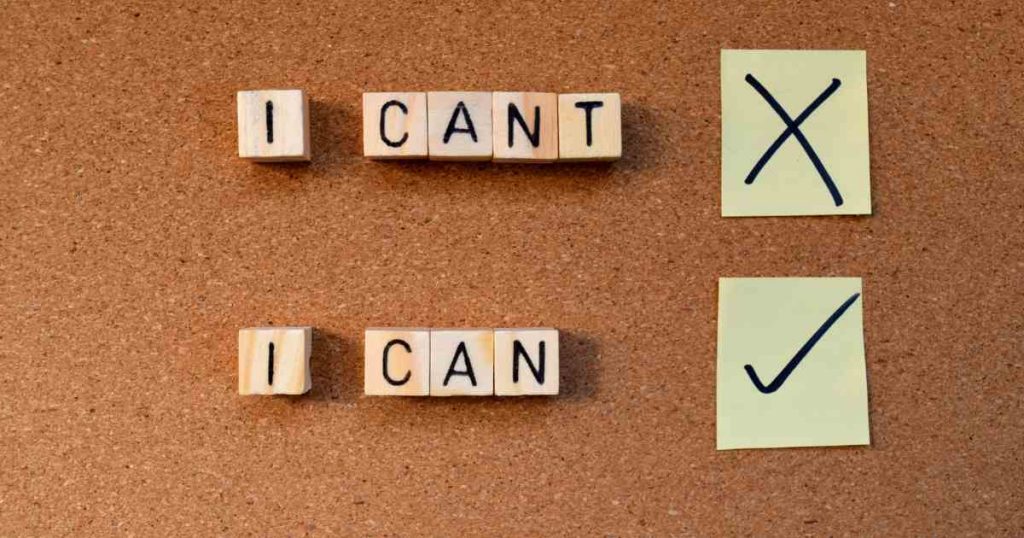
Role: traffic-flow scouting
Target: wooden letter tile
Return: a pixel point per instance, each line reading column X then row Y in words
column 273, row 125
column 274, row 360
column 589, row 127
column 459, row 125
column 462, row 362
column 525, row 127
column 397, row 362
column 525, row 362
column 395, row 125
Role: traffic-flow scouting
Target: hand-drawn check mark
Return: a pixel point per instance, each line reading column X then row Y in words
column 801, row 353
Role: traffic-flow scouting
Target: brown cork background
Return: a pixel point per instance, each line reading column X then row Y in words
column 134, row 244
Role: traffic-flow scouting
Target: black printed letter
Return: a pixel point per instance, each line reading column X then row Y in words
column 383, row 115
column 461, row 350
column 587, row 107
column 517, row 350
column 452, row 129
column 270, row 364
column 513, row 114
column 270, row 122
column 387, row 348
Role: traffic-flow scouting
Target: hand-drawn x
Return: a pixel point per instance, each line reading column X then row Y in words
column 795, row 361
column 793, row 128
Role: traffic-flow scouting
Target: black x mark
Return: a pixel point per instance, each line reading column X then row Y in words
column 793, row 128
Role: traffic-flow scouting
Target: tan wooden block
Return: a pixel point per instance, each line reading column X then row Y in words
column 525, row 362
column 273, row 125
column 274, row 360
column 459, row 126
column 461, row 362
column 397, row 362
column 525, row 127
column 395, row 125
column 589, row 127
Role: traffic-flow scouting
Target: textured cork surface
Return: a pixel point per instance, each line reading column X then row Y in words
column 134, row 244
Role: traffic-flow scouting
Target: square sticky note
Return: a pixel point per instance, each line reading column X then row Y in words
column 795, row 133
column 791, row 366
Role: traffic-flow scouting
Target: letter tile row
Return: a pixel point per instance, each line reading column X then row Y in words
column 460, row 362
column 273, row 125
column 410, row 361
column 498, row 126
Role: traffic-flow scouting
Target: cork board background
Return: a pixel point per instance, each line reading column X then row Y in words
column 134, row 245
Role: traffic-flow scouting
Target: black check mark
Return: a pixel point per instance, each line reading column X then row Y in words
column 804, row 350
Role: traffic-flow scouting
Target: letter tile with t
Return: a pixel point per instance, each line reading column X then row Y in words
column 397, row 362
column 395, row 125
column 525, row 362
column 461, row 362
column 589, row 127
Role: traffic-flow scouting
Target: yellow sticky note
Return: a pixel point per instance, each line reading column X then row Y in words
column 791, row 368
column 795, row 133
